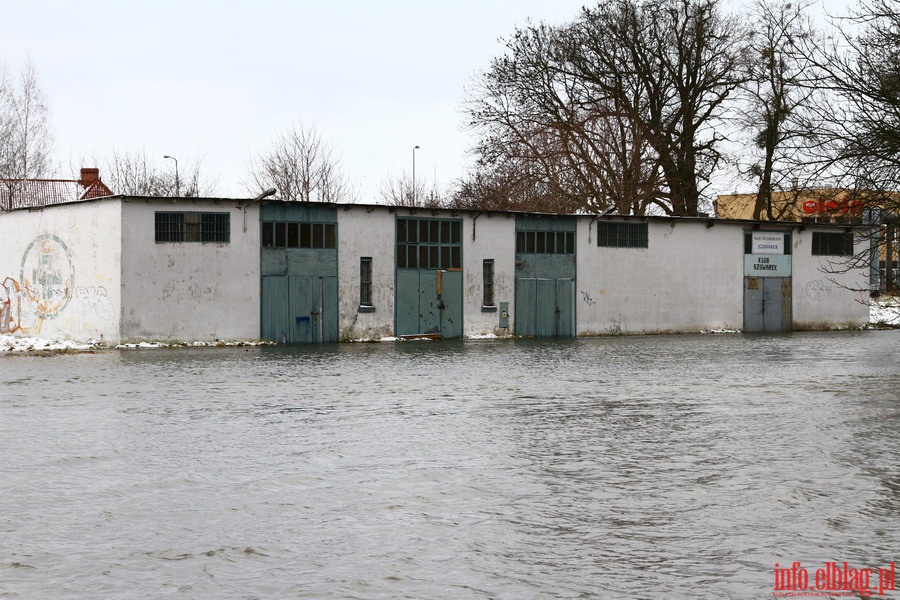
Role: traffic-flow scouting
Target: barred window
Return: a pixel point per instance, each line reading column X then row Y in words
column 169, row 227
column 832, row 244
column 215, row 227
column 280, row 234
column 182, row 226
column 488, row 280
column 365, row 281
column 622, row 235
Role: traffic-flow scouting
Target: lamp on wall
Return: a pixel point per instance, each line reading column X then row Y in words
column 265, row 194
column 259, row 197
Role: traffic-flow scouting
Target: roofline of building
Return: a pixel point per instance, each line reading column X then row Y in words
column 710, row 221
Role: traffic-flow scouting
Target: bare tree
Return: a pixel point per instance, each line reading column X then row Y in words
column 618, row 108
column 25, row 137
column 682, row 57
column 24, row 127
column 864, row 69
column 861, row 143
column 507, row 189
column 134, row 174
column 398, row 191
column 544, row 131
column 302, row 167
column 781, row 106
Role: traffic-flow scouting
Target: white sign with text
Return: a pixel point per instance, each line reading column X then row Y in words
column 768, row 242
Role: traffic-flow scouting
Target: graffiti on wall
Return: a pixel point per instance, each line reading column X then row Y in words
column 95, row 299
column 10, row 306
column 48, row 272
column 44, row 288
column 817, row 290
column 586, row 297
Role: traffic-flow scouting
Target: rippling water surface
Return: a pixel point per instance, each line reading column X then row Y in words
column 628, row 467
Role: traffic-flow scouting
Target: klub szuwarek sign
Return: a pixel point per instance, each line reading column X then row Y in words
column 767, row 258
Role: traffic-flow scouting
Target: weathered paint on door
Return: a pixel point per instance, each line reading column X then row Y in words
column 429, row 288
column 297, row 310
column 299, row 268
column 545, row 277
column 767, row 304
column 545, row 307
column 429, row 302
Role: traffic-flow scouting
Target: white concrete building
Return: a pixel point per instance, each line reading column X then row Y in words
column 122, row 268
column 97, row 270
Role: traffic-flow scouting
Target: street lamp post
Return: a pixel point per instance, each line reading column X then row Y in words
column 177, row 187
column 414, row 176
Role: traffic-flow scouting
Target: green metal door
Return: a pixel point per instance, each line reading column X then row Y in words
column 526, row 307
column 407, row 302
column 451, row 303
column 565, row 308
column 297, row 310
column 429, row 302
column 545, row 276
column 275, row 317
column 545, row 307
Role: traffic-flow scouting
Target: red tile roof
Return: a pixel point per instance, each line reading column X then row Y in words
column 32, row 193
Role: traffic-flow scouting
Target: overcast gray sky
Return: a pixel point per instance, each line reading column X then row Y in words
column 217, row 80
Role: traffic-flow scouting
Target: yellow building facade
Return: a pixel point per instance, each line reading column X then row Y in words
column 796, row 205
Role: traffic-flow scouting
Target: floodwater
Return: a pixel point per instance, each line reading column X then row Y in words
column 621, row 467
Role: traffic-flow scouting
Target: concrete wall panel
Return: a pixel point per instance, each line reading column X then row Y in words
column 364, row 232
column 688, row 279
column 59, row 272
column 488, row 236
column 829, row 293
column 190, row 291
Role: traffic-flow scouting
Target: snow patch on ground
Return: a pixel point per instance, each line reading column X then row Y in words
column 215, row 344
column 885, row 312
column 9, row 343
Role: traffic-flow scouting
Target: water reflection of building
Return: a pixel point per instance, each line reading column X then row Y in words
column 149, row 268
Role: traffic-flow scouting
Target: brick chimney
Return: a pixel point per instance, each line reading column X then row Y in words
column 89, row 176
